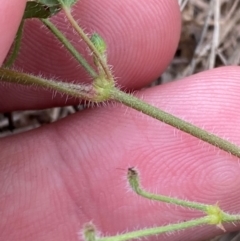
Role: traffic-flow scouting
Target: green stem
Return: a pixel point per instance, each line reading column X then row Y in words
column 231, row 218
column 70, row 47
column 214, row 217
column 215, row 214
column 133, row 179
column 157, row 230
column 16, row 46
column 80, row 91
column 168, row 228
column 171, row 120
column 85, row 38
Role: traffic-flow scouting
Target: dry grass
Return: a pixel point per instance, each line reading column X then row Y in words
column 210, row 38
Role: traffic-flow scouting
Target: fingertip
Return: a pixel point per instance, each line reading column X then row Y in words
column 10, row 16
column 142, row 36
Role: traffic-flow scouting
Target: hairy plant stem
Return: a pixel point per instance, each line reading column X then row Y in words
column 16, row 46
column 215, row 214
column 58, row 34
column 157, row 230
column 171, row 120
column 100, row 93
column 76, row 90
column 152, row 231
column 130, row 100
column 86, row 39
column 133, row 179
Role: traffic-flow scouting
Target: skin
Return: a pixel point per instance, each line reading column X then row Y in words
column 56, row 178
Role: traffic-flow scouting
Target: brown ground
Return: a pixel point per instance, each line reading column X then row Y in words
column 210, row 38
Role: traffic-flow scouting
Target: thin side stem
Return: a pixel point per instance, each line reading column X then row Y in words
column 69, row 47
column 16, row 46
column 133, row 179
column 157, row 230
column 88, row 42
column 171, row 120
column 169, row 228
column 230, row 218
column 80, row 91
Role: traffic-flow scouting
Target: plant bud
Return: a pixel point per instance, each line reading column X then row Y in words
column 99, row 43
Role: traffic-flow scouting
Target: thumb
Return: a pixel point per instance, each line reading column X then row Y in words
column 10, row 16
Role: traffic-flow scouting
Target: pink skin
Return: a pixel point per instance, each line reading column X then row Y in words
column 58, row 177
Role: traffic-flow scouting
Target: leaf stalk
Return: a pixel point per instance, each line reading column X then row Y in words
column 58, row 34
column 89, row 43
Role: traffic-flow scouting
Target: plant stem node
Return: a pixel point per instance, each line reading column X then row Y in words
column 103, row 88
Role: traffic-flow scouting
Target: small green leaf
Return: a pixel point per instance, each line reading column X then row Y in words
column 41, row 9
